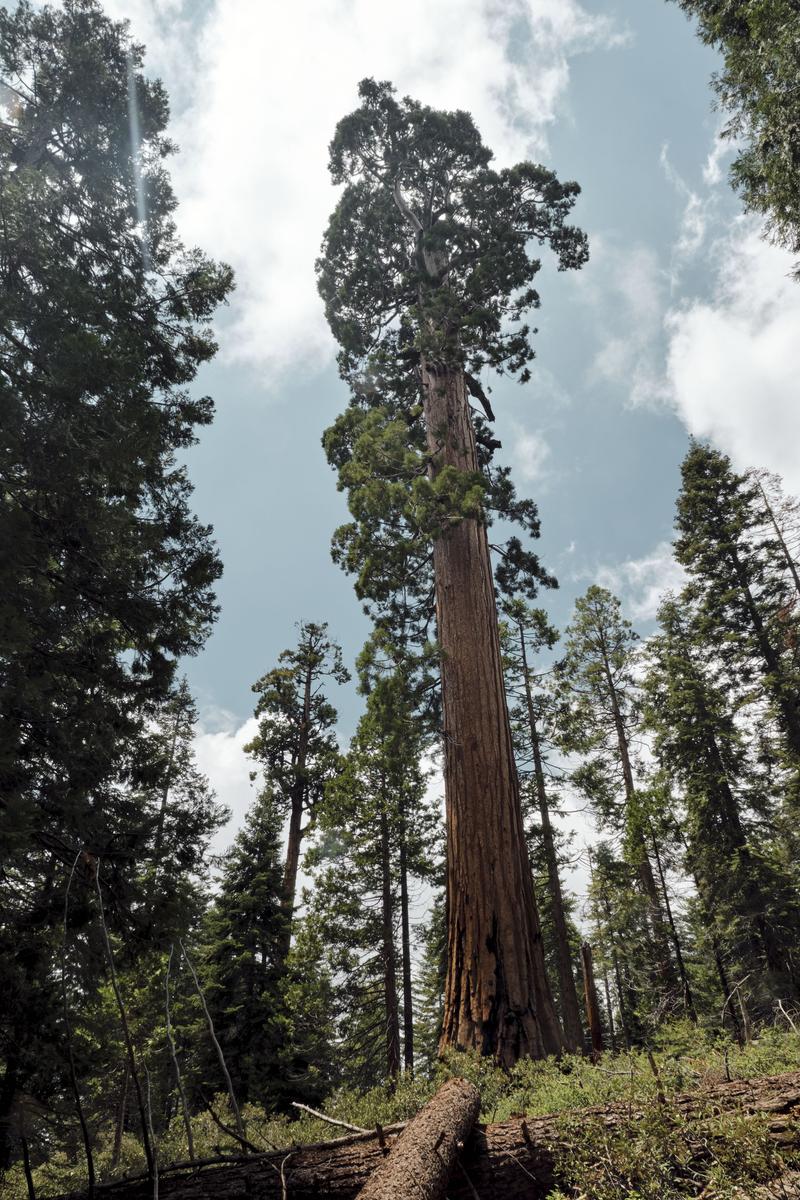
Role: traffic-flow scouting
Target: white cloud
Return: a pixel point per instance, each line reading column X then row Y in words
column 220, row 756
column 531, row 453
column 628, row 288
column 694, row 218
column 641, row 583
column 260, row 90
column 732, row 360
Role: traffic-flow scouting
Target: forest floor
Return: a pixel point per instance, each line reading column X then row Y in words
column 697, row 1117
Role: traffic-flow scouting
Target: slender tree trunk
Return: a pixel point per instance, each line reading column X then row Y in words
column 405, row 937
column 688, row 999
column 610, row 1011
column 497, row 996
column 790, row 563
column 642, row 864
column 592, row 1007
column 567, row 992
column 783, row 692
column 289, row 886
column 388, row 954
column 122, row 1112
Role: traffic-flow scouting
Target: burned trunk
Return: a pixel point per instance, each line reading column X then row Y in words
column 497, row 997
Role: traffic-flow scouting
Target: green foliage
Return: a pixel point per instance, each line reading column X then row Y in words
column 106, row 576
column 757, row 88
column 664, row 1155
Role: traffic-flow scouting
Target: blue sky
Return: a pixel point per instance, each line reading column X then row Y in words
column 683, row 320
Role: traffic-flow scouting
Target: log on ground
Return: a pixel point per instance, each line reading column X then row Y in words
column 421, row 1162
column 513, row 1160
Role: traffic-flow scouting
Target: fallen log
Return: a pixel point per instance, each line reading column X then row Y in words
column 421, row 1161
column 514, row 1160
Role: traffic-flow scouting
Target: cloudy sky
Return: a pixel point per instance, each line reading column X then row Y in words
column 684, row 321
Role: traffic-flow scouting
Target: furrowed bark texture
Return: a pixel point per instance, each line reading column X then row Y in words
column 514, row 1160
column 497, row 996
column 421, row 1161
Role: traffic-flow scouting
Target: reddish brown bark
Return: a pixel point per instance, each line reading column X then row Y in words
column 422, row 1159
column 497, row 996
column 590, row 998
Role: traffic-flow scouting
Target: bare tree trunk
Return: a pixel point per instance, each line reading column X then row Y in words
column 688, row 999
column 289, row 886
column 610, row 1011
column 592, row 1006
column 497, row 996
column 122, row 1112
column 567, row 992
column 405, row 939
column 388, row 954
column 422, row 1159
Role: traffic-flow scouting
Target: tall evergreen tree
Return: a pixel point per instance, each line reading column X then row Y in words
column 106, row 576
column 296, row 742
column 598, row 681
column 738, row 576
column 377, row 831
column 243, row 958
column 757, row 88
column 425, row 268
column 525, row 632
column 750, row 901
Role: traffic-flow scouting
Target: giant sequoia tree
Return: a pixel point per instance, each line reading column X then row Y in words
column 426, row 273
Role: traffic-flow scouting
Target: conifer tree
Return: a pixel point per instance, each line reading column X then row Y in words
column 106, row 576
column 425, row 271
column 377, row 832
column 750, row 901
column 296, row 742
column 243, row 941
column 597, row 678
column 738, row 575
column 757, row 88
column 525, row 632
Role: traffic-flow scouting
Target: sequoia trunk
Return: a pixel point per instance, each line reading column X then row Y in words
column 497, row 997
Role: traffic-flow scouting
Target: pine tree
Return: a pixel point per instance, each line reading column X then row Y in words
column 425, row 267
column 378, row 830
column 296, row 742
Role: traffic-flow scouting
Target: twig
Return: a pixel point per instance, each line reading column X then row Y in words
column 788, row 1018
column 284, row 1192
column 217, row 1047
column 243, row 1141
column 330, row 1120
